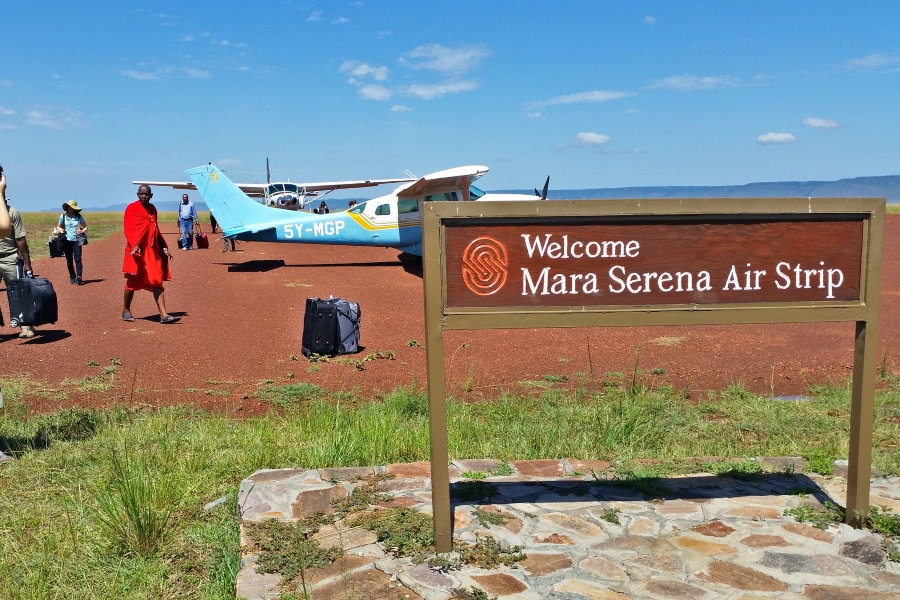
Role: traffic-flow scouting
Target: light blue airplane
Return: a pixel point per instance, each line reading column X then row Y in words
column 391, row 221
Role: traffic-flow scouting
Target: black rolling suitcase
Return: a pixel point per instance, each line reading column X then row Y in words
column 320, row 328
column 31, row 302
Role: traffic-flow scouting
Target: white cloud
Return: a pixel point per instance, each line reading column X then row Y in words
column 776, row 138
column 53, row 117
column 533, row 115
column 357, row 3
column 186, row 38
column 400, row 108
column 360, row 69
column 692, row 82
column 315, row 15
column 56, row 76
column 223, row 42
column 875, row 60
column 243, row 68
column 140, row 75
column 586, row 139
column 581, row 98
column 436, row 90
column 6, row 111
column 630, row 111
column 197, row 73
column 382, row 34
column 374, row 92
column 650, row 19
column 5, row 83
column 440, row 58
column 340, row 21
column 820, row 123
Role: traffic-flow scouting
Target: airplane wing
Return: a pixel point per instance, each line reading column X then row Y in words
column 435, row 183
column 257, row 190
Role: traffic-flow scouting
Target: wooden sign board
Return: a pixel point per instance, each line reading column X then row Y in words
column 653, row 262
column 693, row 262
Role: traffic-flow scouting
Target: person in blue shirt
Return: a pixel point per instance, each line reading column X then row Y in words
column 73, row 225
column 187, row 216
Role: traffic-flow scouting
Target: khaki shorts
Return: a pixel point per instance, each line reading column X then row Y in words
column 8, row 271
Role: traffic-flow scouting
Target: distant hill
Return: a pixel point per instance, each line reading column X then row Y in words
column 172, row 205
column 887, row 186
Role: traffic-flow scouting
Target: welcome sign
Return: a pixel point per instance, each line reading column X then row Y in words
column 690, row 262
column 596, row 263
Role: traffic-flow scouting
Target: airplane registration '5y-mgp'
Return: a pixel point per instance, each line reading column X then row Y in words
column 391, row 221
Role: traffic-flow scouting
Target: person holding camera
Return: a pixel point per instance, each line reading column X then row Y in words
column 73, row 225
column 5, row 222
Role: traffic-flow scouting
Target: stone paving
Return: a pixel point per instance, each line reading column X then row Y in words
column 703, row 537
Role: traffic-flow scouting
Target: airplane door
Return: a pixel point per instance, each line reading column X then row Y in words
column 408, row 211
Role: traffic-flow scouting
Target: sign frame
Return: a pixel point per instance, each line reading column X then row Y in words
column 437, row 216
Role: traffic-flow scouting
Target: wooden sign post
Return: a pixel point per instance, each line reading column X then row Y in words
column 509, row 265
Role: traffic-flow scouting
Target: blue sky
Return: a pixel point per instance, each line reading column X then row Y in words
column 593, row 93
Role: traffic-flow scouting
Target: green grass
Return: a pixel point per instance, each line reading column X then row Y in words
column 101, row 225
column 110, row 504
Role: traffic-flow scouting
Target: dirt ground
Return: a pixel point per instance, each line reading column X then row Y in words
column 242, row 321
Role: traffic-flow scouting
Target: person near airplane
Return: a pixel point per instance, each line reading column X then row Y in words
column 147, row 256
column 187, row 216
column 73, row 225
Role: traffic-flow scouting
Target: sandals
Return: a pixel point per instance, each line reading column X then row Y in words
column 169, row 319
column 126, row 316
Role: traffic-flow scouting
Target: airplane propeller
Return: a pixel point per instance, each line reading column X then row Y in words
column 543, row 195
column 268, row 175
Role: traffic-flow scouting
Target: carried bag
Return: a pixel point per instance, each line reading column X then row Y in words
column 31, row 302
column 202, row 240
column 81, row 238
column 56, row 245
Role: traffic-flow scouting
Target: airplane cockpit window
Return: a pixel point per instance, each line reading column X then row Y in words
column 383, row 210
column 475, row 193
column 274, row 188
column 357, row 209
column 407, row 206
column 445, row 197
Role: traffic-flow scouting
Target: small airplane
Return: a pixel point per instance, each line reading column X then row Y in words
column 284, row 194
column 391, row 221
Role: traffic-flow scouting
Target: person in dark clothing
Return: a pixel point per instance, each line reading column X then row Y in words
column 212, row 221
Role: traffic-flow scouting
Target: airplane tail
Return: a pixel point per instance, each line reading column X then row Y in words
column 232, row 208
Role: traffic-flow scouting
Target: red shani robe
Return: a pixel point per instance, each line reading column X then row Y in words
column 148, row 269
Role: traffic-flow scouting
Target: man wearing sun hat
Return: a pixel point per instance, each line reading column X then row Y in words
column 11, row 248
column 72, row 224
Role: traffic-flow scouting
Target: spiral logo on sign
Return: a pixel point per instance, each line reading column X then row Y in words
column 484, row 266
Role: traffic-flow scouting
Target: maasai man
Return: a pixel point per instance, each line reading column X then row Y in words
column 147, row 256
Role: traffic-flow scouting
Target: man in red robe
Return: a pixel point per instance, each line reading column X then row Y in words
column 147, row 256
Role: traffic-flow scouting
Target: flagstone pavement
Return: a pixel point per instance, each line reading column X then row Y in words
column 704, row 537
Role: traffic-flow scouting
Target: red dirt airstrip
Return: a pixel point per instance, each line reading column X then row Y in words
column 242, row 320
